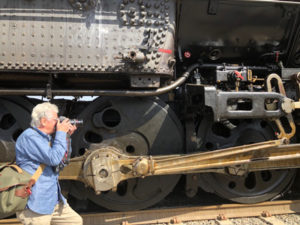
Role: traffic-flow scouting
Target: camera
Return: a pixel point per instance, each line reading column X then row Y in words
column 76, row 122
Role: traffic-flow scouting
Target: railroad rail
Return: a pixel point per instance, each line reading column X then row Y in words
column 221, row 213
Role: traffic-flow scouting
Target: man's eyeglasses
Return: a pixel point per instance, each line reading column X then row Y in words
column 55, row 119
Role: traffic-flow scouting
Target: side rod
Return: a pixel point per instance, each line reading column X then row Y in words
column 104, row 168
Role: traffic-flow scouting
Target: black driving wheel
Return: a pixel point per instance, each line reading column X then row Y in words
column 255, row 186
column 135, row 126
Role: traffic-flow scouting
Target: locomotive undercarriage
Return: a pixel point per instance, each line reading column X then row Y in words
column 119, row 133
column 208, row 89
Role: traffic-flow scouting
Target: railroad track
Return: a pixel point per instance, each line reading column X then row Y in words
column 265, row 213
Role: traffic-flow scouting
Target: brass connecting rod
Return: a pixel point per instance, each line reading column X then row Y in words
column 104, row 168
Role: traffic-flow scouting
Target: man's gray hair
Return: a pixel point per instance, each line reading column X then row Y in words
column 40, row 111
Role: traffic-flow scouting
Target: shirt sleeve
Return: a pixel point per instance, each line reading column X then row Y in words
column 37, row 148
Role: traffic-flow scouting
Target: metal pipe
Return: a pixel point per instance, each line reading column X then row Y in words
column 128, row 93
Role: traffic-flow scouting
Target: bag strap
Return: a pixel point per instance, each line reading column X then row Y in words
column 38, row 172
column 17, row 168
column 25, row 191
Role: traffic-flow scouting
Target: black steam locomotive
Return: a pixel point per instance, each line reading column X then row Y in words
column 170, row 77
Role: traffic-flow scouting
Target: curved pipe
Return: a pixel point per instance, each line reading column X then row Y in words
column 140, row 93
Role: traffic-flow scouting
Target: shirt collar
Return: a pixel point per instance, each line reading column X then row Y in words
column 42, row 133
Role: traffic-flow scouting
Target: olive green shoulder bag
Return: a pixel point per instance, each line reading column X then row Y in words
column 15, row 188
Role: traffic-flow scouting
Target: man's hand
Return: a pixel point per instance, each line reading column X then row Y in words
column 65, row 126
column 72, row 128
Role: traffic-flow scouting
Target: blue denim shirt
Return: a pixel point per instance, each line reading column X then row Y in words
column 32, row 149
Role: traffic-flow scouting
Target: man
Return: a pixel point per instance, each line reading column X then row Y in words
column 46, row 205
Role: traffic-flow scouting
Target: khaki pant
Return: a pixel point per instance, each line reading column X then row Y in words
column 62, row 215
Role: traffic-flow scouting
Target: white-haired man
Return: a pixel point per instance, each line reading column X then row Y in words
column 46, row 205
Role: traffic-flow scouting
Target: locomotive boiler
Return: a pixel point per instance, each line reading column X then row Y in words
column 204, row 88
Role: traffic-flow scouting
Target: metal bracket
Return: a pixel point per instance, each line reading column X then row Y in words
column 213, row 7
column 286, row 105
column 219, row 102
column 49, row 93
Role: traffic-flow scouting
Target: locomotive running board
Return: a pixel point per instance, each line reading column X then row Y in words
column 104, row 168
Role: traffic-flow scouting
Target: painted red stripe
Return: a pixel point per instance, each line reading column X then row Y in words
column 168, row 51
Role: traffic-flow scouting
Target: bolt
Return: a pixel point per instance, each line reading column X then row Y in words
column 221, row 217
column 190, row 192
column 266, row 214
column 175, row 220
